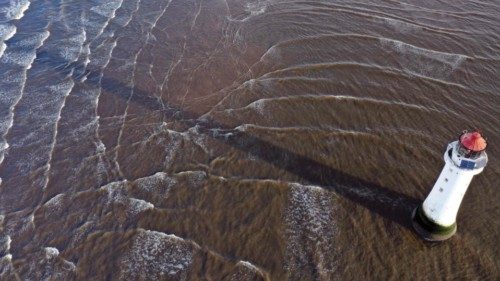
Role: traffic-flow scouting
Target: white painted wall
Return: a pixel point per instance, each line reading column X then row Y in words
column 443, row 202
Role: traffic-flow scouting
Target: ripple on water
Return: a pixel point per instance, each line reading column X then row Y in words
column 156, row 256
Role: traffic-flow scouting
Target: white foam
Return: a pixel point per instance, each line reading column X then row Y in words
column 113, row 189
column 55, row 202
column 453, row 60
column 253, row 9
column 6, row 266
column 34, row 40
column 7, row 31
column 401, row 26
column 117, row 193
column 249, row 265
column 51, row 252
column 135, row 206
column 63, row 89
column 310, row 230
column 242, row 127
column 16, row 9
column 256, row 8
column 5, row 240
column 258, row 105
column 198, row 138
column 156, row 181
column 19, row 58
column 172, row 148
column 2, row 49
column 155, row 255
column 72, row 47
column 17, row 92
column 107, row 9
column 195, row 178
column 246, row 271
column 100, row 147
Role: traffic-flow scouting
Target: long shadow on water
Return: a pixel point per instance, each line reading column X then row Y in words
column 389, row 204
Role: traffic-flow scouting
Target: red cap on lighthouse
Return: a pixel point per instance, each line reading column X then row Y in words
column 473, row 141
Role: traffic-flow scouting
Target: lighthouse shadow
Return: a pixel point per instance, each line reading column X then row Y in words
column 389, row 204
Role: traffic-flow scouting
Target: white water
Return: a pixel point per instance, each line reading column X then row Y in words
column 6, row 32
column 154, row 255
column 15, row 10
column 16, row 90
column 310, row 229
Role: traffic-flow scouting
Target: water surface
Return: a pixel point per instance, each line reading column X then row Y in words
column 242, row 140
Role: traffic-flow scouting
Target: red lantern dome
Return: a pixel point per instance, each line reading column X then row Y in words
column 473, row 141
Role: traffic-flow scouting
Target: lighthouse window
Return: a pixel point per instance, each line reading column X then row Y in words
column 467, row 164
column 462, row 151
column 467, row 153
column 473, row 154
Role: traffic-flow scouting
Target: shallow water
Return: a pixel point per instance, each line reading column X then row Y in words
column 242, row 140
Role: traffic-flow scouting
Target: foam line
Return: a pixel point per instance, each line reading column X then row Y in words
column 18, row 91
column 16, row 9
column 134, row 63
column 7, row 31
column 67, row 87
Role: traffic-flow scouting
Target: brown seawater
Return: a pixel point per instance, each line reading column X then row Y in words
column 242, row 140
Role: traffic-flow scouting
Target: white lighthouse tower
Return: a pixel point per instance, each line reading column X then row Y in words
column 464, row 158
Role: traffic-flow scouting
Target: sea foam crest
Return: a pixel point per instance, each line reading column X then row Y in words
column 310, row 230
column 158, row 183
column 155, row 255
column 256, row 8
column 453, row 60
column 107, row 9
column 34, row 40
column 51, row 252
column 72, row 47
column 2, row 49
column 15, row 10
column 23, row 59
column 118, row 194
column 5, row 241
column 6, row 32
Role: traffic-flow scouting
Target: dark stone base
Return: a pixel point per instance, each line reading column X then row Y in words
column 428, row 229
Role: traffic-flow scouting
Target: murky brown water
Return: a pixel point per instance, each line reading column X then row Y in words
column 242, row 140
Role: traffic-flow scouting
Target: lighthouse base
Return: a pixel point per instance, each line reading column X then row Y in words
column 428, row 229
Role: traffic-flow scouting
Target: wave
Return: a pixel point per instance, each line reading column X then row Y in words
column 107, row 10
column 453, row 60
column 16, row 9
column 25, row 60
column 2, row 49
column 248, row 271
column 386, row 70
column 70, row 48
column 7, row 31
column 310, row 229
column 63, row 89
column 143, row 262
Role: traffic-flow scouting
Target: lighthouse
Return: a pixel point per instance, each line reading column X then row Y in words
column 435, row 218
